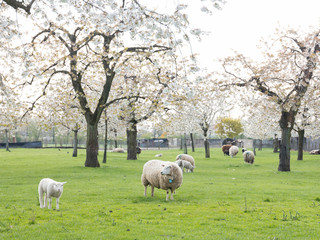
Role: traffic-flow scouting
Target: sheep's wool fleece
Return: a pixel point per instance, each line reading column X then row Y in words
column 151, row 175
column 186, row 157
column 233, row 151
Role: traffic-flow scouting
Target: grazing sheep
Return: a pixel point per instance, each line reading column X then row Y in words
column 225, row 149
column 118, row 150
column 186, row 157
column 248, row 157
column 315, row 152
column 233, row 151
column 158, row 155
column 51, row 189
column 161, row 174
column 183, row 164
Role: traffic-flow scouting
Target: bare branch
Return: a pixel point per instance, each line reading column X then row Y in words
column 16, row 5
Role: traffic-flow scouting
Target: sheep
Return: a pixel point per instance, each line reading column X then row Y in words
column 233, row 151
column 51, row 189
column 158, row 155
column 186, row 157
column 248, row 157
column 225, row 149
column 185, row 164
column 315, row 152
column 118, row 150
column 161, row 174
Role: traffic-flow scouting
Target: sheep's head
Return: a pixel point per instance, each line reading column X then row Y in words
column 166, row 170
column 59, row 186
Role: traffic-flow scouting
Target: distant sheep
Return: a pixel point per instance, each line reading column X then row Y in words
column 118, row 150
column 183, row 164
column 161, row 174
column 315, row 152
column 233, row 151
column 158, row 155
column 51, row 189
column 225, row 149
column 186, row 157
column 248, row 157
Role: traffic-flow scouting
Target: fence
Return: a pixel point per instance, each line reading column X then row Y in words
column 37, row 144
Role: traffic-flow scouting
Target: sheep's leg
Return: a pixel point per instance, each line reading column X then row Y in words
column 171, row 197
column 41, row 198
column 50, row 201
column 145, row 191
column 167, row 196
column 45, row 200
column 152, row 191
column 57, row 206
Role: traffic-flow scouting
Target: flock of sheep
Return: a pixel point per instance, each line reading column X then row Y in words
column 165, row 175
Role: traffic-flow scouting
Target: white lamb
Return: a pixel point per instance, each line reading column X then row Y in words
column 51, row 189
column 233, row 151
column 183, row 164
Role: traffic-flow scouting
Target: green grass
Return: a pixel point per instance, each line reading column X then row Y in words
column 223, row 199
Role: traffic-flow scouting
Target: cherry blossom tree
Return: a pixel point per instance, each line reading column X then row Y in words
column 283, row 77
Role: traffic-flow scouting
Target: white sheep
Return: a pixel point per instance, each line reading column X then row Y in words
column 233, row 151
column 248, row 157
column 51, row 189
column 158, row 155
column 118, row 150
column 183, row 164
column 186, row 157
column 161, row 174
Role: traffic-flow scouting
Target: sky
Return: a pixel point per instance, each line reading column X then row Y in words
column 242, row 23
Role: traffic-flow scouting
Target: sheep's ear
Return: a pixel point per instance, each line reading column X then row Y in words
column 63, row 183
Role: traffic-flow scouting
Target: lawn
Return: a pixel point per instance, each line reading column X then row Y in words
column 223, row 199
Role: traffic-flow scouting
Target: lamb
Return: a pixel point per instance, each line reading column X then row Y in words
column 225, row 149
column 161, row 174
column 248, row 156
column 233, row 151
column 185, row 164
column 186, row 157
column 118, row 150
column 51, row 189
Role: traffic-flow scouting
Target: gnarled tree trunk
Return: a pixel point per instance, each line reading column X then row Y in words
column 132, row 142
column 284, row 156
column 75, row 144
column 92, row 145
column 300, row 144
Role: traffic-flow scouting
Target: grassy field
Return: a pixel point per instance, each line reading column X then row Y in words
column 223, row 199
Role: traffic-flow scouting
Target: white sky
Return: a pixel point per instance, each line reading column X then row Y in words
column 241, row 24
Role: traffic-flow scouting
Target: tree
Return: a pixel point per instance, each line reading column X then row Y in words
column 228, row 127
column 20, row 5
column 283, row 77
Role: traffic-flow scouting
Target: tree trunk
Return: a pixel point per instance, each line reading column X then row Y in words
column 284, row 156
column 192, row 142
column 75, row 145
column 181, row 143
column 206, row 144
column 132, row 142
column 300, row 144
column 275, row 144
column 115, row 140
column 260, row 145
column 185, row 149
column 7, row 140
column 92, row 146
column 105, row 141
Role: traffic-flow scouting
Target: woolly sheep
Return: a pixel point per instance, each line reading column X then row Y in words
column 158, row 155
column 51, row 189
column 118, row 150
column 315, row 152
column 161, row 174
column 225, row 149
column 248, row 157
column 233, row 151
column 186, row 157
column 185, row 164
